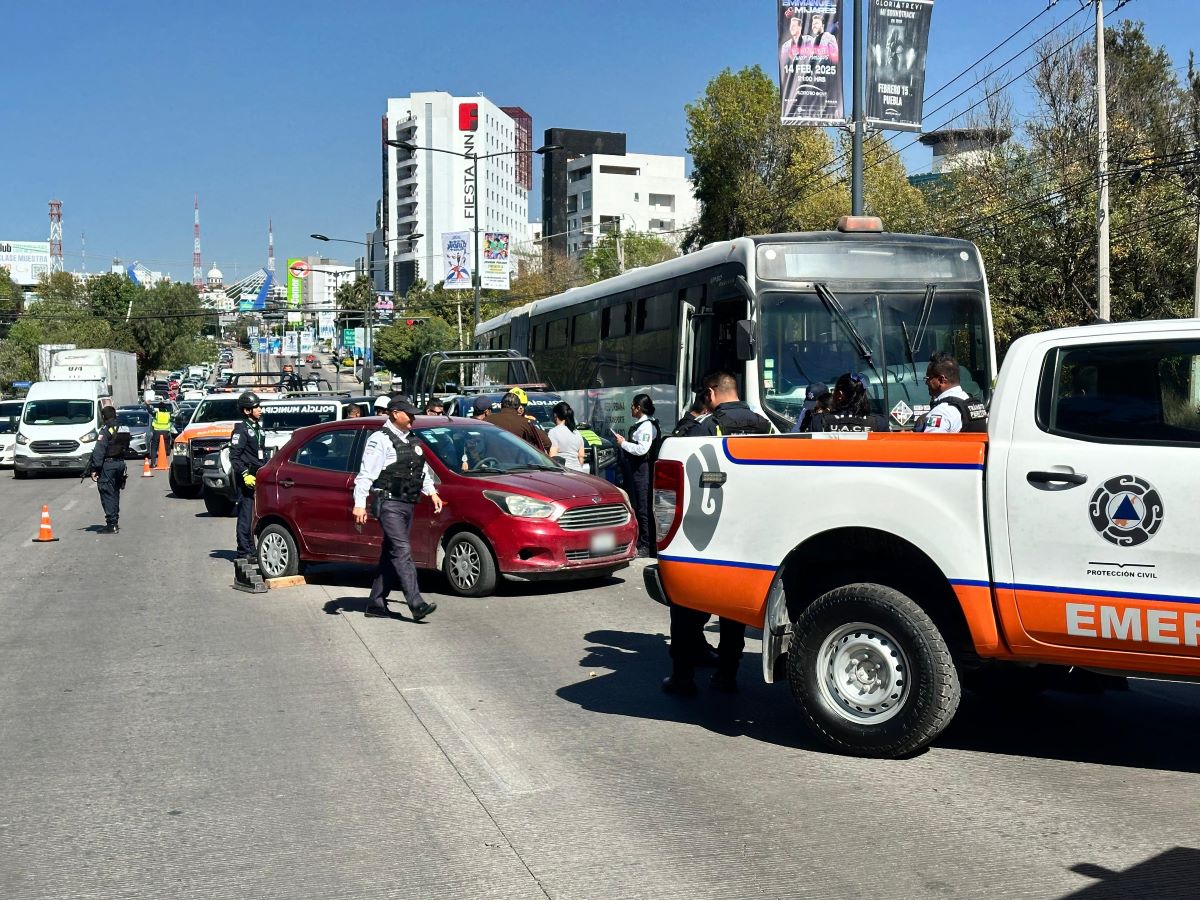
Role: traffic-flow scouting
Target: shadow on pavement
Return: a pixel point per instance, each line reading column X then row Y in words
column 1138, row 728
column 229, row 555
column 431, row 582
column 341, row 605
column 638, row 662
column 94, row 529
column 1172, row 874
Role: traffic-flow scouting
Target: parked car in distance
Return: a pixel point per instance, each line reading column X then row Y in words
column 10, row 421
column 137, row 420
column 510, row 511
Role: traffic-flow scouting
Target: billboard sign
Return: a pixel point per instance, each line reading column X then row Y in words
column 298, row 270
column 289, row 344
column 26, row 261
column 306, row 342
column 325, row 326
column 810, row 68
column 494, row 273
column 348, row 338
column 456, row 251
column 897, row 44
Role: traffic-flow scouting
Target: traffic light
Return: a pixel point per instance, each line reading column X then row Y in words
column 468, row 117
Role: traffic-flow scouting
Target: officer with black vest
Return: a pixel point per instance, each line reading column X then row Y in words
column 393, row 468
column 728, row 416
column 850, row 409
column 247, row 454
column 953, row 410
column 107, row 467
column 635, row 467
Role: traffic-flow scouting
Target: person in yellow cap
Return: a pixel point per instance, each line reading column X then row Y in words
column 543, row 441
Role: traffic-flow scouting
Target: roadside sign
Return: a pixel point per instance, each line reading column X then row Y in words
column 348, row 338
column 22, row 385
column 262, row 345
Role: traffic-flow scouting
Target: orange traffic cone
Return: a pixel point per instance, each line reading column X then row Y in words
column 45, row 532
column 146, row 470
column 161, row 465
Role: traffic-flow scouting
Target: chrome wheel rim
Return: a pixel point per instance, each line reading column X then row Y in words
column 464, row 565
column 273, row 555
column 863, row 674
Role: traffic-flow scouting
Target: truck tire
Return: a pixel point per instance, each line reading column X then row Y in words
column 469, row 566
column 218, row 505
column 278, row 555
column 19, row 474
column 871, row 672
column 185, row 491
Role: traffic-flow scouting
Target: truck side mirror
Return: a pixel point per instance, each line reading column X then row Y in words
column 745, row 340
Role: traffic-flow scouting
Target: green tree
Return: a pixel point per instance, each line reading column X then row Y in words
column 167, row 325
column 752, row 174
column 110, row 295
column 16, row 364
column 353, row 299
column 11, row 296
column 618, row 252
column 400, row 346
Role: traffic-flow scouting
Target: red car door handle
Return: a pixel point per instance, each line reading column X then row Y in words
column 287, row 482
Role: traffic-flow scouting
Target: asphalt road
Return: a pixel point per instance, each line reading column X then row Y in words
column 162, row 735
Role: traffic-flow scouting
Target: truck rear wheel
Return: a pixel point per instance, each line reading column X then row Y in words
column 871, row 672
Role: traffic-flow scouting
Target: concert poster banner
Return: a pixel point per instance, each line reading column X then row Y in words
column 456, row 250
column 897, row 45
column 810, row 66
column 495, row 271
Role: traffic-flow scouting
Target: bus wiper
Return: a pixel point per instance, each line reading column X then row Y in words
column 839, row 313
column 926, row 308
column 908, row 348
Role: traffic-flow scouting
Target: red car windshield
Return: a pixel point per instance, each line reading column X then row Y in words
column 482, row 450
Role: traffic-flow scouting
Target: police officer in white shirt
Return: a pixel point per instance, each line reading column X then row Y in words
column 635, row 465
column 394, row 464
column 953, row 410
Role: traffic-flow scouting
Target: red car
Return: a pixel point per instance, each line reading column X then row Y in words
column 510, row 511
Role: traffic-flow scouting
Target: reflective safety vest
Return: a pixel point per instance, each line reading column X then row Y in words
column 162, row 421
column 589, row 437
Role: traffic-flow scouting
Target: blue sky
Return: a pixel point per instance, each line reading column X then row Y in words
column 123, row 110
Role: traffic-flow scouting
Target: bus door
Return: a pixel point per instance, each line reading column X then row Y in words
column 685, row 381
column 715, row 337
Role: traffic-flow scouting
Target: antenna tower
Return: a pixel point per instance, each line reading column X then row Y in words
column 56, row 253
column 197, row 274
column 270, row 246
column 83, row 253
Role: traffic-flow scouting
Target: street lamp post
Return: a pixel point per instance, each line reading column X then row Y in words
column 368, row 361
column 476, row 279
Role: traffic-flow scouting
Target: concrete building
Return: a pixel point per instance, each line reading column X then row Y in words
column 954, row 148
column 429, row 192
column 640, row 191
column 321, row 285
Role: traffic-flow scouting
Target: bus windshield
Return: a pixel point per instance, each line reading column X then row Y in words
column 805, row 340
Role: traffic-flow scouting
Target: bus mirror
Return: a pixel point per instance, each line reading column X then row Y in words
column 745, row 340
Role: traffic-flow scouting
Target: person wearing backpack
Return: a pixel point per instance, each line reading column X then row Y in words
column 637, row 455
column 728, row 416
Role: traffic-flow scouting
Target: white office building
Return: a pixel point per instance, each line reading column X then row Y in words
column 640, row 191
column 321, row 285
column 429, row 192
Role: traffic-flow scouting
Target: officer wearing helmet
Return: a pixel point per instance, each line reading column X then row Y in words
column 246, row 456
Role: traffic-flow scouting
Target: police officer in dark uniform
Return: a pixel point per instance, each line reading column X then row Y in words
column 850, row 409
column 107, row 467
column 246, row 456
column 729, row 416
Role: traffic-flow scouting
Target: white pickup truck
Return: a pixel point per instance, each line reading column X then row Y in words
column 885, row 569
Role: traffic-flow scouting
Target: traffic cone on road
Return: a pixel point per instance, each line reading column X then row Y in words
column 147, row 472
column 161, row 465
column 45, row 532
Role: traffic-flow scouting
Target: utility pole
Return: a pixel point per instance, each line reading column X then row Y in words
column 857, row 113
column 1103, row 304
column 1196, row 277
column 476, row 275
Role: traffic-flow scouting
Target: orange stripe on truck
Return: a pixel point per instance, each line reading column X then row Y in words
column 736, row 591
column 897, row 449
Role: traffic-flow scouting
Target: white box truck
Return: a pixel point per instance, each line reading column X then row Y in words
column 46, row 358
column 116, row 371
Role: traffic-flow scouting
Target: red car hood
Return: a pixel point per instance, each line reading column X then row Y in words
column 553, row 485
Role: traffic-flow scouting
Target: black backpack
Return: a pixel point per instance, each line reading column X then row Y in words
column 754, row 423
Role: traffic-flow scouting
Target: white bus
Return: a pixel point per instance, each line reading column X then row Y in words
column 780, row 311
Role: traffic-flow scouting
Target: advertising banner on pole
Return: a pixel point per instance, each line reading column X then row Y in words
column 289, row 344
column 494, row 273
column 810, row 67
column 263, row 343
column 276, row 345
column 306, row 342
column 456, row 251
column 298, row 270
column 897, row 44
column 325, row 326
